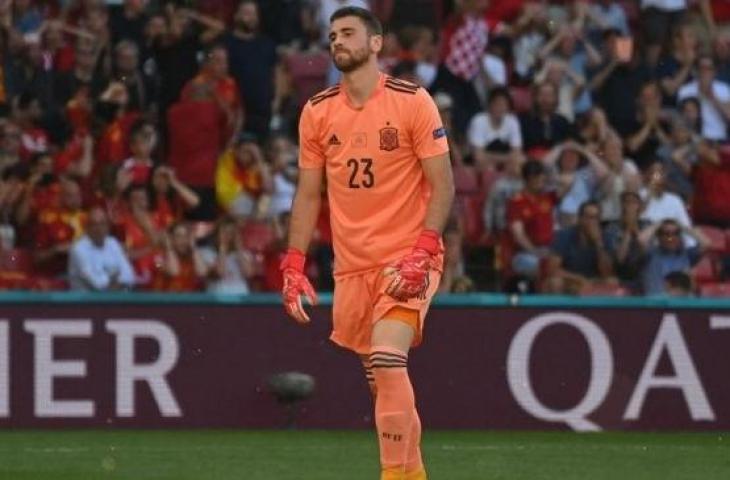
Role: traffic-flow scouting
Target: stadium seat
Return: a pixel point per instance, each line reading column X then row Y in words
column 257, row 235
column 16, row 269
column 466, row 180
column 705, row 271
column 715, row 290
column 718, row 238
column 521, row 98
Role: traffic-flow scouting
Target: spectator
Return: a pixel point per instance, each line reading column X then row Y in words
column 214, row 83
column 229, row 263
column 667, row 252
column 621, row 176
column 543, row 127
column 679, row 157
column 675, row 69
column 658, row 18
column 42, row 189
column 453, row 258
column 620, row 77
column 562, row 52
column 97, row 261
column 714, row 97
column 648, row 130
column 143, row 232
column 505, row 188
column 660, row 204
column 140, row 86
column 128, row 22
column 689, row 111
column 606, row 14
column 464, row 41
column 137, row 169
column 283, row 155
column 530, row 219
column 113, row 144
column 678, row 284
column 243, row 179
column 530, row 32
column 27, row 112
column 57, row 227
column 183, row 268
column 494, row 135
column 170, row 197
column 574, row 183
column 579, row 255
column 252, row 57
column 622, row 241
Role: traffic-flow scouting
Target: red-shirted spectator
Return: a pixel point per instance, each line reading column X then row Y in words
column 183, row 268
column 214, row 83
column 137, row 169
column 57, row 228
column 170, row 197
column 26, row 113
column 42, row 189
column 113, row 144
column 530, row 219
column 142, row 231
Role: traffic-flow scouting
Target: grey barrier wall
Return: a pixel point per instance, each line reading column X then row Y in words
column 171, row 365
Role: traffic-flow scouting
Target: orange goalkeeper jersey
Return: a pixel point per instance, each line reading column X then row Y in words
column 377, row 191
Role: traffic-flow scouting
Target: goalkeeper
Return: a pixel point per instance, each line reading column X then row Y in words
column 381, row 145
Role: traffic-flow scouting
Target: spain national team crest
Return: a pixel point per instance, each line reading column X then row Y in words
column 388, row 138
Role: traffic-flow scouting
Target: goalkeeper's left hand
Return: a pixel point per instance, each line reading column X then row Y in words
column 410, row 273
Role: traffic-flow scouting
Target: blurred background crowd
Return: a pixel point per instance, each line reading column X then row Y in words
column 152, row 145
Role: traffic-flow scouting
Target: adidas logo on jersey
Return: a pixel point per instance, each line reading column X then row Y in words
column 334, row 140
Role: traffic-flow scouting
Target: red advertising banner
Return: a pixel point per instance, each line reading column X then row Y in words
column 168, row 365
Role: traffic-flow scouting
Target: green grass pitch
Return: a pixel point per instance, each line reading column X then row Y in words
column 330, row 455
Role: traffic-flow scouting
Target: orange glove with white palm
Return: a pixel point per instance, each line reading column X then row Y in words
column 296, row 284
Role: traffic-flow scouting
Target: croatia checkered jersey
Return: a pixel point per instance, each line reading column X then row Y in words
column 377, row 190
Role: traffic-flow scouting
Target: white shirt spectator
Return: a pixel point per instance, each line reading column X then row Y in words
column 91, row 267
column 714, row 126
column 668, row 206
column 283, row 196
column 482, row 131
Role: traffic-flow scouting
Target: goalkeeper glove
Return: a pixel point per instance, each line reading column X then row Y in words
column 295, row 285
column 410, row 274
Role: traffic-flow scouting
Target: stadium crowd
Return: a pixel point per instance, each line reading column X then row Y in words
column 152, row 145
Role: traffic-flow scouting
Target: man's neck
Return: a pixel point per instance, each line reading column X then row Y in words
column 361, row 83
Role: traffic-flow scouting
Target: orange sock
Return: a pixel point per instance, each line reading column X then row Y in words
column 396, row 419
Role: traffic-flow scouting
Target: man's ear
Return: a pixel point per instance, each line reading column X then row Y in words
column 376, row 43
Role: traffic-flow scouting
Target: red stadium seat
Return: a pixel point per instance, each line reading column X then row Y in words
column 521, row 98
column 705, row 271
column 718, row 238
column 715, row 290
column 257, row 235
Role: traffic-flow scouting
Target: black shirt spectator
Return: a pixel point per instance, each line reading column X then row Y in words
column 252, row 57
column 128, row 22
column 543, row 127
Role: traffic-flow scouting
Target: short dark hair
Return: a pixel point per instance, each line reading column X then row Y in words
column 500, row 92
column 372, row 24
column 532, row 168
column 679, row 280
column 586, row 204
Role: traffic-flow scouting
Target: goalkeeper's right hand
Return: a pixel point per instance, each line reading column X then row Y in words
column 296, row 284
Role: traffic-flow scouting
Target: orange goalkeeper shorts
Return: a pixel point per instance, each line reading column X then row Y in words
column 360, row 301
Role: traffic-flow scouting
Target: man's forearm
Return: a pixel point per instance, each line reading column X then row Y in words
column 439, row 207
column 305, row 211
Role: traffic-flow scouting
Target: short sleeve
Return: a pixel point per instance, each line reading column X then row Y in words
column 311, row 154
column 428, row 132
column 475, row 134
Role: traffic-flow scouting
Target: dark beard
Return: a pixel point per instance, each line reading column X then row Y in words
column 353, row 62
